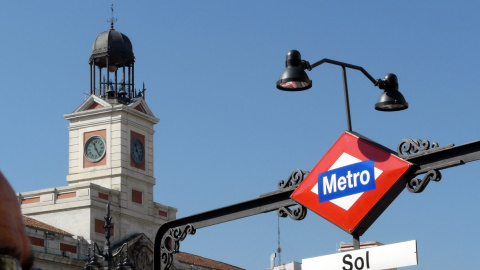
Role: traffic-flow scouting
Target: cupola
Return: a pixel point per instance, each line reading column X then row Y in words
column 112, row 67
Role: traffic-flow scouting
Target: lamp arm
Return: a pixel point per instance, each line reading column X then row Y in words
column 342, row 64
column 379, row 83
column 98, row 253
column 120, row 250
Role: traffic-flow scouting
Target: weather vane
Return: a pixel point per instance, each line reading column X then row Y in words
column 112, row 20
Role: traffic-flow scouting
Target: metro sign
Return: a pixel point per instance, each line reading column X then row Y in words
column 353, row 183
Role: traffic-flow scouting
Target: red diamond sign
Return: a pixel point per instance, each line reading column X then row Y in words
column 353, row 183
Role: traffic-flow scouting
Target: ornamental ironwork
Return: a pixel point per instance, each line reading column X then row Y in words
column 414, row 146
column 416, row 185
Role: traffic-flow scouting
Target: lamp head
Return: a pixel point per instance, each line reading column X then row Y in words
column 391, row 99
column 294, row 78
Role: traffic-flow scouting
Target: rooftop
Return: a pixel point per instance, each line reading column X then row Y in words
column 200, row 261
column 40, row 225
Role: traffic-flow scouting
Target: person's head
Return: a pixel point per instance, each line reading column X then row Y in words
column 14, row 242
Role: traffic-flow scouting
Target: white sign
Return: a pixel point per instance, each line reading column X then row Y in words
column 375, row 258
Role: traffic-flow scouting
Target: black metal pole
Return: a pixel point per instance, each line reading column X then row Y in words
column 116, row 82
column 92, row 87
column 130, row 88
column 107, row 253
column 100, row 80
column 356, row 241
column 347, row 102
column 108, row 73
column 345, row 85
column 133, row 75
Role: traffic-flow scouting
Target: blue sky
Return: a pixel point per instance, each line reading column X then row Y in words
column 227, row 135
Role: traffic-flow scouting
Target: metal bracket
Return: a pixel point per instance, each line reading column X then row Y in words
column 298, row 213
column 416, row 185
column 409, row 147
column 294, row 180
column 170, row 243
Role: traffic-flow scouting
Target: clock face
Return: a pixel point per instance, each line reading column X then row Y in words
column 137, row 151
column 95, row 149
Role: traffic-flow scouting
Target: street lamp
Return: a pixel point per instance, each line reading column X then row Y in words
column 294, row 78
column 107, row 255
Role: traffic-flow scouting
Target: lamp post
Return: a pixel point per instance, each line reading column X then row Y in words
column 294, row 78
column 106, row 253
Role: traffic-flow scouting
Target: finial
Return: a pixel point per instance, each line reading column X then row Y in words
column 112, row 20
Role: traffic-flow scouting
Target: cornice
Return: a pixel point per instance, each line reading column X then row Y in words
column 110, row 110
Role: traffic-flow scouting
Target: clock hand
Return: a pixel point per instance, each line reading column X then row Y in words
column 96, row 150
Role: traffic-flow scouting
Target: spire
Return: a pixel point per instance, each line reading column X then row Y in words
column 112, row 19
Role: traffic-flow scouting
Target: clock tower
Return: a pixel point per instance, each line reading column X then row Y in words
column 111, row 132
column 111, row 162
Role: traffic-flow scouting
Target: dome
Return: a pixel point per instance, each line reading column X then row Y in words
column 114, row 44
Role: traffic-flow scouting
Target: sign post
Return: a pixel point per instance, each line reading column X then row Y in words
column 375, row 258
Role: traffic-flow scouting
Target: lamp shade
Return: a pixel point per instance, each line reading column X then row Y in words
column 294, row 77
column 391, row 99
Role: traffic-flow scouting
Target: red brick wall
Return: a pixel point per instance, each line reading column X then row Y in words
column 37, row 241
column 66, row 195
column 162, row 213
column 137, row 196
column 31, row 200
column 99, row 227
column 103, row 196
column 94, row 106
column 67, row 247
column 140, row 108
